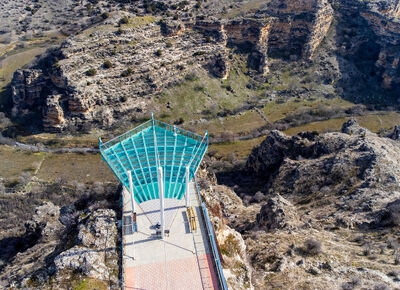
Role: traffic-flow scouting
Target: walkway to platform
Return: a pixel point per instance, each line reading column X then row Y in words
column 183, row 260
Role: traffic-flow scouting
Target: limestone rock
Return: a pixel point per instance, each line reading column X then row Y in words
column 352, row 127
column 45, row 222
column 396, row 133
column 84, row 260
column 53, row 117
column 27, row 86
column 277, row 213
column 96, row 239
column 172, row 28
column 98, row 231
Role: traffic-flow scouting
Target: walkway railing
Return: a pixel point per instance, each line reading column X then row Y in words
column 211, row 236
column 147, row 124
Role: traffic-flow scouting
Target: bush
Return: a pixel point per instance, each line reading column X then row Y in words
column 312, row 247
column 105, row 15
column 91, row 72
column 158, row 52
column 231, row 246
column 124, row 20
column 191, row 77
column 127, row 72
column 107, row 64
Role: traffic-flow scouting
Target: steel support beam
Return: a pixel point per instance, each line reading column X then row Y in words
column 161, row 195
column 187, row 200
column 131, row 191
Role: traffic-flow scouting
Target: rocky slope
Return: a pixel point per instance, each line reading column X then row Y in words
column 325, row 214
column 122, row 67
column 64, row 246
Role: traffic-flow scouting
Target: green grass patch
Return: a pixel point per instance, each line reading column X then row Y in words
column 139, row 21
column 75, row 167
column 241, row 149
column 14, row 162
column 243, row 123
column 373, row 122
column 275, row 111
column 90, row 284
column 13, row 62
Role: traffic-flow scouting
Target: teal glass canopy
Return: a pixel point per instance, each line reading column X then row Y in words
column 149, row 146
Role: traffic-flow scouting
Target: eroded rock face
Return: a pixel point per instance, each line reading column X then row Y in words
column 53, row 117
column 396, row 133
column 27, row 86
column 97, row 239
column 298, row 27
column 357, row 164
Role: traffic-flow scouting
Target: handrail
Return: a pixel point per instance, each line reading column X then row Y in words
column 211, row 236
column 147, row 124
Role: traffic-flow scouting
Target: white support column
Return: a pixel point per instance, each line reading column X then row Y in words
column 131, row 191
column 187, row 200
column 161, row 194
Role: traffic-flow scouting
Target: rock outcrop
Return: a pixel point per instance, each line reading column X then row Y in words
column 95, row 254
column 276, row 213
column 55, row 253
column 331, row 204
column 27, row 86
column 298, row 27
column 356, row 164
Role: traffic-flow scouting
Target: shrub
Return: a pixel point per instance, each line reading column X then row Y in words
column 367, row 249
column 230, row 247
column 381, row 287
column 127, row 72
column 107, row 64
column 124, row 20
column 105, row 15
column 120, row 31
column 191, row 77
column 158, row 52
column 312, row 247
column 168, row 44
column 91, row 72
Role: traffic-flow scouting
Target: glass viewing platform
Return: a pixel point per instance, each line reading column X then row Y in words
column 146, row 148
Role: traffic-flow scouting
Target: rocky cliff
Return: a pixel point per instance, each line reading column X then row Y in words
column 325, row 214
column 119, row 69
column 145, row 56
column 63, row 247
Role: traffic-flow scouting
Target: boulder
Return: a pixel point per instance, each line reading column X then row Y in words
column 98, row 231
column 277, row 213
column 84, row 260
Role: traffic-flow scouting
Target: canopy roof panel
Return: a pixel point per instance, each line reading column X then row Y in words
column 151, row 145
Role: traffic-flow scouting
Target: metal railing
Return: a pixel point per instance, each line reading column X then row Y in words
column 211, row 236
column 149, row 123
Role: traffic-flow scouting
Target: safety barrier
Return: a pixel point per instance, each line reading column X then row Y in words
column 147, row 124
column 211, row 236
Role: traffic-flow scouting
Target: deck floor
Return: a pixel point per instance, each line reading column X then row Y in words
column 181, row 261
